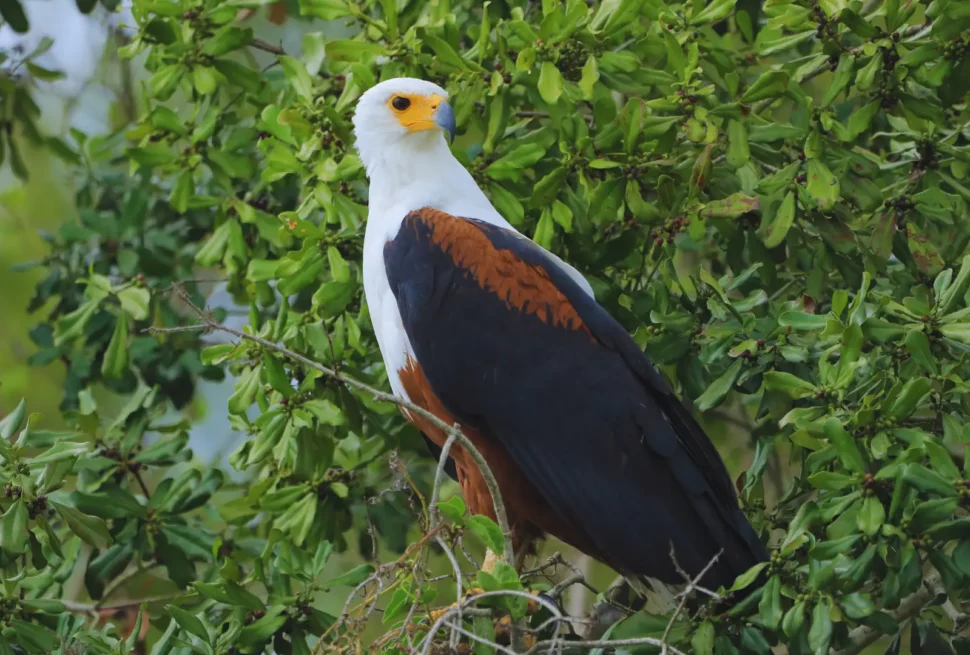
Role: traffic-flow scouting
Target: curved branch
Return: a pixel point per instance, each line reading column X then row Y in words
column 209, row 323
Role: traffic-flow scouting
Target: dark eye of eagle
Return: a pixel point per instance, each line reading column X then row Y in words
column 400, row 103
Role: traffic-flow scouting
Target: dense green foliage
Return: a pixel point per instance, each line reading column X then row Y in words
column 773, row 199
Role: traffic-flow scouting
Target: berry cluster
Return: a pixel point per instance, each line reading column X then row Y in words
column 671, row 228
column 887, row 83
column 329, row 140
column 956, row 49
column 826, row 28
column 926, row 150
column 572, row 58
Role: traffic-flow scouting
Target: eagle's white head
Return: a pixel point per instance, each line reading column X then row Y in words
column 399, row 118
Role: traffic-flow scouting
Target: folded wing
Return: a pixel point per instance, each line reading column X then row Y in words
column 514, row 347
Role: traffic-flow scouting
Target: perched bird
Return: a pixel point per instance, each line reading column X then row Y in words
column 481, row 326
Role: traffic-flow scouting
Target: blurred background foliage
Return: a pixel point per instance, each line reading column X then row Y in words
column 770, row 196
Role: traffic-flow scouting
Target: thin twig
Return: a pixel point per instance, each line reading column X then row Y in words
column 113, row 586
column 439, row 474
column 265, row 46
column 90, row 608
column 459, row 592
column 685, row 595
column 548, row 645
column 452, row 611
column 471, row 635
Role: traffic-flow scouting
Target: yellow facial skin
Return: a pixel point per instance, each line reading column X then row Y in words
column 418, row 115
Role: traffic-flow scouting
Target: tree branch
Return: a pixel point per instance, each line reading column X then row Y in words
column 265, row 46
column 208, row 323
column 547, row 645
column 909, row 607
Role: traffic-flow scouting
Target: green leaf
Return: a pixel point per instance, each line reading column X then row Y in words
column 675, row 54
column 298, row 77
column 720, row 388
column 204, row 80
column 738, row 153
column 354, row 576
column 781, row 223
column 13, row 528
column 488, row 531
column 771, row 84
column 791, row 385
column 14, row 421
column 350, row 50
column 445, row 54
column 830, row 480
column 794, row 619
column 845, row 445
column 919, row 348
column 958, row 289
column 550, row 83
column 71, row 326
column 931, row 512
column 189, row 622
column 590, row 75
column 453, row 509
column 702, row 642
column 802, row 320
column 264, row 628
column 245, row 391
column 822, row 185
column 860, row 120
column 872, row 515
column 325, row 411
column 857, row 606
column 135, row 301
column 13, row 14
column 843, row 75
column 925, row 253
column 733, row 206
column 745, row 580
column 820, row 634
column 926, row 480
column 115, row 362
column 90, row 529
column 950, row 530
column 769, row 609
column 717, row 10
column 35, row 638
column 909, row 398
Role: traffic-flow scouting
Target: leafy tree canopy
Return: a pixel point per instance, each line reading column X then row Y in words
column 772, row 197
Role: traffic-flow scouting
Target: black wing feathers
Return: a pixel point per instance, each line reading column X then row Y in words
column 582, row 412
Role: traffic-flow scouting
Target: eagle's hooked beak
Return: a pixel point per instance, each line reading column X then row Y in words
column 422, row 113
column 444, row 117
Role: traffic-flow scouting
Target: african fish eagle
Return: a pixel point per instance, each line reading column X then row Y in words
column 481, row 326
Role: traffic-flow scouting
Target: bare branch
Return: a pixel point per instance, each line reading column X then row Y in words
column 461, row 606
column 471, row 635
column 439, row 474
column 692, row 585
column 265, row 46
